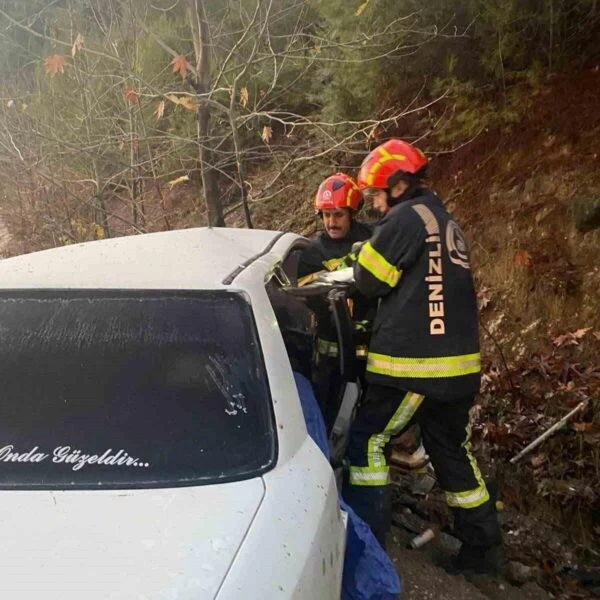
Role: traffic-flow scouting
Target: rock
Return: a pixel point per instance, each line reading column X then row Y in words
column 408, row 520
column 519, row 573
column 532, row 591
column 586, row 214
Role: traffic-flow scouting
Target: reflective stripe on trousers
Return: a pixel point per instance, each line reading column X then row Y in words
column 377, row 471
column 470, row 498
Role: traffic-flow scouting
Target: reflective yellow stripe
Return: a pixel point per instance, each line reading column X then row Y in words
column 361, row 325
column 327, row 348
column 421, row 368
column 470, row 499
column 377, row 442
column 404, row 413
column 330, row 349
column 353, row 188
column 369, row 476
column 378, row 266
column 384, row 157
column 477, row 496
column 333, row 263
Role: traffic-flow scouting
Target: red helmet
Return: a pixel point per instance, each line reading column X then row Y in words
column 387, row 160
column 338, row 191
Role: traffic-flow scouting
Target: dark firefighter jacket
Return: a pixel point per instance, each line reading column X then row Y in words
column 325, row 253
column 425, row 335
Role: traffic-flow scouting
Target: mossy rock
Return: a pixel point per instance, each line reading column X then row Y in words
column 586, row 214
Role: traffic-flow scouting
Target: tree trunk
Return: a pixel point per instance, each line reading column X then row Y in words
column 200, row 36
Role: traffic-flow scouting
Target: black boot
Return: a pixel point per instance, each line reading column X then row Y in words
column 477, row 560
column 373, row 504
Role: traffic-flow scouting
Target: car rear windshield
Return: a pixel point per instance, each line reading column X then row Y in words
column 131, row 389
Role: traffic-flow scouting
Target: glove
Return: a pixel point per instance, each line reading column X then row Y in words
column 352, row 257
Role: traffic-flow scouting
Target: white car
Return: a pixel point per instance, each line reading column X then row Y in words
column 152, row 442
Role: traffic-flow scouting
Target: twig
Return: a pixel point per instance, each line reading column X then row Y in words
column 504, row 363
column 538, row 440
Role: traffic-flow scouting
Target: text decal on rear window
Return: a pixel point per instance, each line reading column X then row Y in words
column 72, row 457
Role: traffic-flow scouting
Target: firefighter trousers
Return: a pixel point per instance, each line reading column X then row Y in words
column 446, row 435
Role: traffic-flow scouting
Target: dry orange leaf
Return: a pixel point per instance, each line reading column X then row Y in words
column 77, row 45
column 523, row 258
column 361, row 9
column 267, row 134
column 188, row 102
column 582, row 427
column 180, row 65
column 179, row 180
column 244, row 96
column 160, row 110
column 55, row 64
column 131, row 96
column 581, row 332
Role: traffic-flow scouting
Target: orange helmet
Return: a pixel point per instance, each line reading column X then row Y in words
column 338, row 191
column 383, row 165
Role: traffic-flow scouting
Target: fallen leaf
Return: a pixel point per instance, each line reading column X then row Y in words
column 77, row 45
column 267, row 134
column 160, row 110
column 523, row 258
column 361, row 9
column 55, row 64
column 581, row 332
column 131, row 96
column 180, row 65
column 179, row 180
column 484, row 297
column 538, row 460
column 583, row 427
column 244, row 96
column 567, row 339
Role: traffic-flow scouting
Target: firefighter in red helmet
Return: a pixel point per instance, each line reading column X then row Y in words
column 337, row 201
column 423, row 363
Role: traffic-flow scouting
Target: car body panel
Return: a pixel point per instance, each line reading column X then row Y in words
column 198, row 258
column 123, row 545
column 295, row 546
column 281, row 535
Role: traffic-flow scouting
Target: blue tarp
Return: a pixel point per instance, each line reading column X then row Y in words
column 369, row 574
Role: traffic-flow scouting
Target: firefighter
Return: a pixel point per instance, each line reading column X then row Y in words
column 423, row 364
column 337, row 201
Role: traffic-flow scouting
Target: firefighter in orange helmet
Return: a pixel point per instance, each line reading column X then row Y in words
column 423, row 363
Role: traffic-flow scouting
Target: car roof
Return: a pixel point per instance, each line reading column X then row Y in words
column 197, row 258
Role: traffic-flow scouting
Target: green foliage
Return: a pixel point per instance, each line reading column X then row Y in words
column 475, row 109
